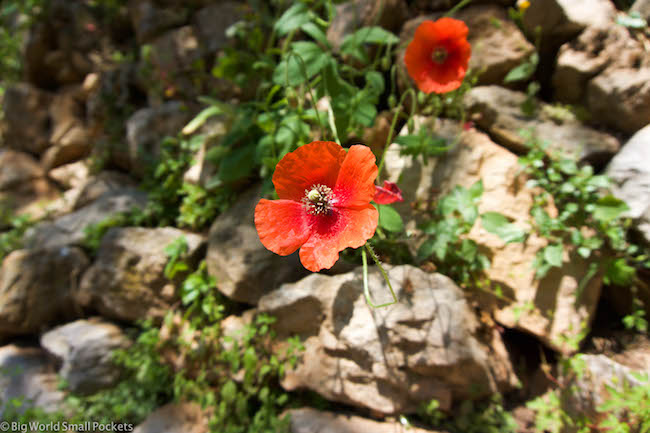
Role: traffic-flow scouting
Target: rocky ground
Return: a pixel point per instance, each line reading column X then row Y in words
column 64, row 307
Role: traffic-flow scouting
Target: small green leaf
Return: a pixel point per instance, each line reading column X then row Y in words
column 553, row 254
column 293, row 18
column 389, row 219
column 609, row 208
column 619, row 273
column 499, row 225
column 315, row 32
column 201, row 118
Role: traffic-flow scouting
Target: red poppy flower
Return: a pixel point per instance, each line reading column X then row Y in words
column 438, row 55
column 389, row 193
column 324, row 204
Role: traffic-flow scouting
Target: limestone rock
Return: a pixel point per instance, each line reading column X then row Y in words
column 475, row 157
column 146, row 128
column 150, row 19
column 212, row 21
column 642, row 7
column 26, row 118
column 85, row 348
column 127, row 280
column 585, row 57
column 70, row 175
column 69, row 139
column 70, row 229
column 620, row 98
column 630, row 172
column 244, row 268
column 561, row 20
column 173, row 55
column 498, row 111
column 496, row 49
column 26, row 372
column 352, row 15
column 587, row 391
column 17, row 168
column 308, row 420
column 429, row 345
column 91, row 189
column 175, row 418
column 36, row 288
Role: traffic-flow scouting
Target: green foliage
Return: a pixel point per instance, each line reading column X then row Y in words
column 589, row 221
column 93, row 233
column 471, row 417
column 13, row 230
column 446, row 243
column 16, row 16
column 627, row 408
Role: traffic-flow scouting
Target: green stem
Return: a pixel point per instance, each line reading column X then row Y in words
column 457, row 7
column 303, row 69
column 366, row 290
column 389, row 139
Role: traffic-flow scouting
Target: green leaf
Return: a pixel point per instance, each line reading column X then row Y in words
column 293, row 18
column 304, row 61
column 426, row 249
column 375, row 81
column 633, row 20
column 523, row 71
column 619, row 273
column 609, row 208
column 201, row 118
column 238, row 164
column 315, row 32
column 499, row 225
column 553, row 254
column 353, row 44
column 364, row 114
column 389, row 219
column 463, row 201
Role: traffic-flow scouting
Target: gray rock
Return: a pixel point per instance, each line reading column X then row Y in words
column 146, row 128
column 85, row 349
column 175, row 418
column 37, row 286
column 212, row 21
column 70, row 175
column 26, row 118
column 429, row 345
column 354, row 14
column 308, row 420
column 127, row 280
column 70, row 229
column 26, row 372
column 244, row 268
column 498, row 111
column 630, row 172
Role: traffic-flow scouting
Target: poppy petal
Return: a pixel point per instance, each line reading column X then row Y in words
column 387, row 194
column 282, row 225
column 355, row 185
column 344, row 228
column 315, row 163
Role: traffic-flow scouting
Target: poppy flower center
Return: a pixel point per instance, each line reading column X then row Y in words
column 439, row 55
column 318, row 200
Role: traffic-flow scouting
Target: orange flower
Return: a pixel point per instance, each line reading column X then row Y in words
column 438, row 55
column 324, row 204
